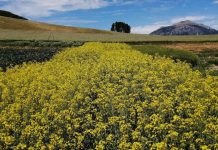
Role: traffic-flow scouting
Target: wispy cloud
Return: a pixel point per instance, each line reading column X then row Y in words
column 146, row 29
column 114, row 12
column 158, row 9
column 215, row 2
column 37, row 8
column 68, row 21
column 133, row 2
column 191, row 18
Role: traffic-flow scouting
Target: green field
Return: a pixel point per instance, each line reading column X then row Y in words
column 65, row 87
column 59, row 91
column 175, row 54
column 107, row 96
column 14, row 53
column 18, row 52
column 16, row 29
column 204, row 61
column 26, row 41
column 111, row 37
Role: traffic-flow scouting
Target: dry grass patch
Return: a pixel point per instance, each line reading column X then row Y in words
column 197, row 47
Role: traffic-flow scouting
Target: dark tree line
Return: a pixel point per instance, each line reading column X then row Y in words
column 121, row 27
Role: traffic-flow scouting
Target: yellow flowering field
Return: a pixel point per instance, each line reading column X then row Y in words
column 108, row 96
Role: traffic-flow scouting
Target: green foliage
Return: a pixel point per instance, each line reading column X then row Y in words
column 17, row 52
column 175, row 54
column 213, row 72
column 208, row 53
column 208, row 61
column 121, row 27
column 107, row 96
column 40, row 43
column 11, row 57
column 208, row 57
column 214, row 62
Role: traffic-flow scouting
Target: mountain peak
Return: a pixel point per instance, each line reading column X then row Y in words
column 184, row 22
column 186, row 27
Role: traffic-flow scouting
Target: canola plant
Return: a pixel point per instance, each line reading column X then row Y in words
column 107, row 96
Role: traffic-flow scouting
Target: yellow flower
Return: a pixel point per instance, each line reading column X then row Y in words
column 107, row 96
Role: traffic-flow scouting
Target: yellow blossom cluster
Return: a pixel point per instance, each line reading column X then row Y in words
column 107, row 96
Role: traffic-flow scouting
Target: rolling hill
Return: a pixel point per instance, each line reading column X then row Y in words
column 8, row 23
column 20, row 29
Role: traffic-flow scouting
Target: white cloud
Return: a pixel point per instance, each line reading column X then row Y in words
column 146, row 29
column 37, row 8
column 212, row 23
column 133, row 2
column 68, row 21
column 191, row 18
column 158, row 9
column 215, row 2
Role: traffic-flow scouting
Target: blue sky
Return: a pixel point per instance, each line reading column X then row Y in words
column 143, row 16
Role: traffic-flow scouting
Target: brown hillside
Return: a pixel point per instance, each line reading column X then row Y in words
column 27, row 25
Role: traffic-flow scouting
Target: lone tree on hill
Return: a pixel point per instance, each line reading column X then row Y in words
column 121, row 27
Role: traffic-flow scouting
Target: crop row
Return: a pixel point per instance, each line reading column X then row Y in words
column 107, row 96
column 17, row 52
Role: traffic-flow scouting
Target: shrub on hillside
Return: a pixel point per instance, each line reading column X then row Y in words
column 107, row 96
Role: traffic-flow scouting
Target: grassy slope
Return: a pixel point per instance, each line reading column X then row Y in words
column 14, row 29
column 112, row 37
column 26, row 25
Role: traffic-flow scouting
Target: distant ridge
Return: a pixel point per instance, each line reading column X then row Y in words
column 9, row 21
column 185, row 28
column 11, row 15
